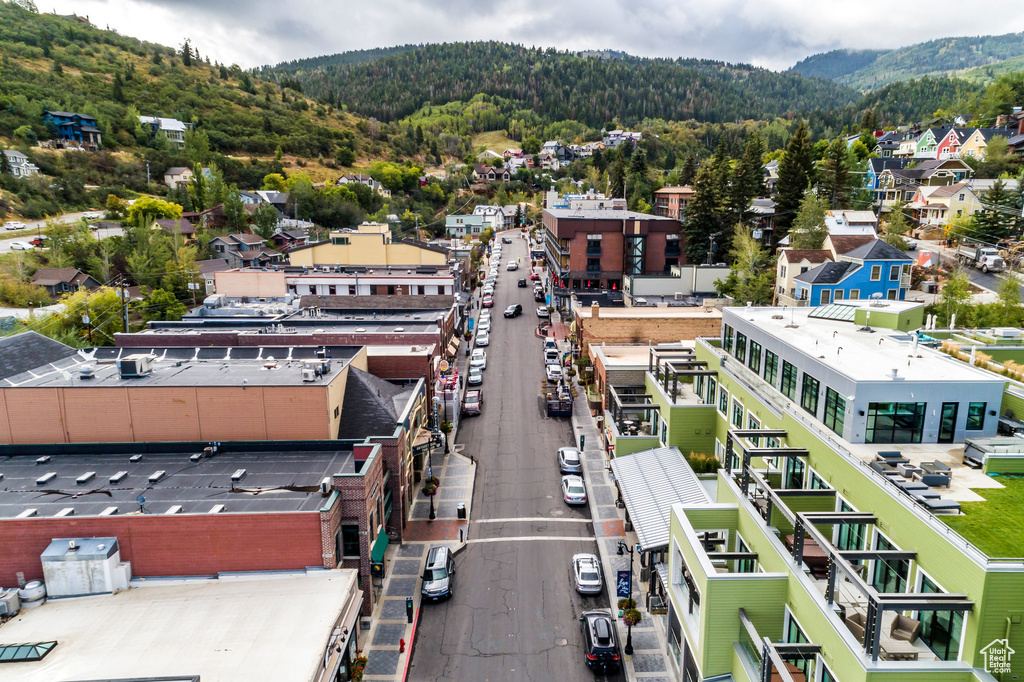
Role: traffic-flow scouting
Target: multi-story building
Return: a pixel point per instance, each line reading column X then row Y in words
column 21, row 167
column 171, row 128
column 459, row 226
column 370, row 245
column 672, row 201
column 77, row 129
column 275, row 284
column 594, row 249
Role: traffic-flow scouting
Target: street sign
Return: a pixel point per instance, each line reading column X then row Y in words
column 421, row 448
column 622, row 585
column 443, row 366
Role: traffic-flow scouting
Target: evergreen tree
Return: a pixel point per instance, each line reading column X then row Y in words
column 186, row 53
column 5, row 163
column 117, row 88
column 689, row 173
column 703, row 217
column 598, row 160
column 748, row 181
column 638, row 184
column 234, row 210
column 999, row 219
column 518, row 220
column 796, row 173
column 834, row 185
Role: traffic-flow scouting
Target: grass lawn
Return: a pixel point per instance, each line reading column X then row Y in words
column 995, row 526
column 495, row 140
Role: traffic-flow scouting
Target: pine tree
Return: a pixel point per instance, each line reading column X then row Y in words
column 186, row 54
column 834, row 185
column 5, row 163
column 117, row 87
column 638, row 184
column 689, row 173
column 748, row 181
column 703, row 217
column 998, row 220
column 796, row 173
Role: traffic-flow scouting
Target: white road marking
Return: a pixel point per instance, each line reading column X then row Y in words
column 532, row 519
column 529, row 538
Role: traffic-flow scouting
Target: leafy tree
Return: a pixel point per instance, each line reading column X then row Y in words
column 160, row 304
column 1010, row 311
column 809, row 231
column 148, row 209
column 955, row 297
column 197, row 146
column 234, row 210
column 531, row 145
column 752, row 275
column 264, row 220
column 117, row 208
column 275, row 182
column 897, row 227
column 796, row 173
column 998, row 159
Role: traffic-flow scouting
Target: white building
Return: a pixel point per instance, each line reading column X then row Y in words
column 172, row 128
column 21, row 167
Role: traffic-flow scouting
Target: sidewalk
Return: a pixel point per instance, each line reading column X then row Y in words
column 648, row 662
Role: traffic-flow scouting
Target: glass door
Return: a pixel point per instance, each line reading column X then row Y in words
column 947, row 422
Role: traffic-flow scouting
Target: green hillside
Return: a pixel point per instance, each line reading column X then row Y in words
column 836, row 64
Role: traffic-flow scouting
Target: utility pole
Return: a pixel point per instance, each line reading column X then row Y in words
column 149, row 186
column 124, row 303
column 86, row 319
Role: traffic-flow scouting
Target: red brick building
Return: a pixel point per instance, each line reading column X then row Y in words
column 672, row 201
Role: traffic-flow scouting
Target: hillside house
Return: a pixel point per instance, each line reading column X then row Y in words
column 177, row 176
column 59, row 281
column 244, row 250
column 793, row 262
column 286, row 239
column 69, row 127
column 484, row 173
column 874, row 269
column 21, row 167
column 171, row 128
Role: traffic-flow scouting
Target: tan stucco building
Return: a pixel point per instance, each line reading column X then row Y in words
column 368, row 245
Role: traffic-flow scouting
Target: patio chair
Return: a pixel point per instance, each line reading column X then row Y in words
column 885, row 469
column 934, row 480
column 937, row 468
column 856, row 623
column 892, row 458
column 940, row 506
column 905, row 628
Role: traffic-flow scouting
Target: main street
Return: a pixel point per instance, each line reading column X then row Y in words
column 514, row 615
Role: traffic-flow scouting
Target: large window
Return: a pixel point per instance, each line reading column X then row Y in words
column 889, row 575
column 771, row 367
column 737, row 414
column 835, row 410
column 741, row 347
column 726, row 338
column 788, row 380
column 976, row 416
column 850, row 536
column 940, row 630
column 723, row 401
column 350, row 541
column 712, row 391
column 876, row 273
column 895, row 422
column 754, row 361
column 809, row 394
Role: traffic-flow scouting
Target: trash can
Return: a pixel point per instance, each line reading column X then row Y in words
column 461, row 510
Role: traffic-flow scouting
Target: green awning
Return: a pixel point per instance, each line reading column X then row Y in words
column 380, row 545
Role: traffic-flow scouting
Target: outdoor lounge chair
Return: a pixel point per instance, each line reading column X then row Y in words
column 911, row 486
column 936, row 468
column 892, row 458
column 940, row 506
column 885, row 469
column 934, row 480
column 856, row 623
column 905, row 628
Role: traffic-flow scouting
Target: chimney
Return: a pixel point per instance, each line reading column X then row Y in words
column 595, row 310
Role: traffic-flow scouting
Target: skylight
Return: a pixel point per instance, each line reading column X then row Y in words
column 834, row 311
column 18, row 653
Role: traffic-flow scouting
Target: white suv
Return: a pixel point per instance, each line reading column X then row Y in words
column 14, row 225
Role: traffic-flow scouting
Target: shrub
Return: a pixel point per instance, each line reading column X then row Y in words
column 626, row 603
column 703, row 463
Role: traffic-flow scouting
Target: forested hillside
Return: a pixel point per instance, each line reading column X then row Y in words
column 564, row 86
column 836, row 64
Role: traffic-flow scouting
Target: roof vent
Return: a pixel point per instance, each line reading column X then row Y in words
column 45, row 459
column 157, row 475
column 238, row 475
column 135, row 459
column 196, row 457
column 86, row 372
column 109, row 511
column 86, row 477
column 66, row 511
column 32, row 511
column 46, row 478
column 118, row 477
column 217, row 509
column 175, row 509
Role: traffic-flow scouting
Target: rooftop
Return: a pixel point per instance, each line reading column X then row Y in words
column 203, row 628
column 631, row 356
column 652, row 312
column 274, row 481
column 602, row 214
column 184, row 366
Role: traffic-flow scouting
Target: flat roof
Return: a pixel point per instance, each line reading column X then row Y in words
column 214, row 366
column 633, row 355
column 274, row 481
column 193, row 628
column 649, row 312
column 603, row 214
column 859, row 355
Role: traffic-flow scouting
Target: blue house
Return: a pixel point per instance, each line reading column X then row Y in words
column 877, row 165
column 73, row 127
column 874, row 268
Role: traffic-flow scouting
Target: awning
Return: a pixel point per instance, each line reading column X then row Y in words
column 651, row 481
column 453, row 346
column 662, row 570
column 380, row 545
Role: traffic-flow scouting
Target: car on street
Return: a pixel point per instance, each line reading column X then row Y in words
column 573, row 490
column 542, row 311
column 38, row 240
column 512, row 265
column 521, row 283
column 472, row 402
column 489, row 289
column 483, row 339
column 438, row 574
column 586, row 572
column 475, row 376
column 550, row 344
column 514, row 310
column 538, row 296
column 600, row 644
column 21, row 246
column 506, row 240
column 534, row 276
column 484, row 324
column 91, row 215
column 569, row 461
column 478, row 358
column 554, row 373
column 14, row 225
column 488, row 301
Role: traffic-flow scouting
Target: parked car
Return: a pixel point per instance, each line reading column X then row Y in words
column 569, row 461
column 514, row 310
column 600, row 644
column 586, row 571
column 489, row 289
column 478, row 358
column 472, row 402
column 554, row 373
column 38, row 240
column 551, row 356
column 521, row 283
column 542, row 311
column 538, row 296
column 483, row 339
column 14, row 225
column 573, row 490
column 21, row 246
column 91, row 215
column 484, row 324
column 438, row 574
column 550, row 344
column 488, row 301
column 475, row 376
column 534, row 276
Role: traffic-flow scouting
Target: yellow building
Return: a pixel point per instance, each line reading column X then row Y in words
column 369, row 244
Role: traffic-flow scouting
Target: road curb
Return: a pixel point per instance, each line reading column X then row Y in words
column 412, row 641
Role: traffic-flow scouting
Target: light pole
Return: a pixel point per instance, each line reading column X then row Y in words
column 430, row 463
column 446, row 419
column 623, row 548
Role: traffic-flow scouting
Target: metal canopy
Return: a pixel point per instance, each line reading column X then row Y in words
column 650, row 482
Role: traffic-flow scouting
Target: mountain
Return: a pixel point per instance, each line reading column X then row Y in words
column 871, row 69
column 562, row 85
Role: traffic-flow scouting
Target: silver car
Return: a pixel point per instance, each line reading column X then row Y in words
column 569, row 461
column 586, row 571
column 573, row 490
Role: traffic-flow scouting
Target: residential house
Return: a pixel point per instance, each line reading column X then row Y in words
column 250, row 198
column 177, row 176
column 937, row 206
column 488, row 155
column 847, row 221
column 493, row 216
column 977, row 142
column 888, row 144
column 672, row 201
column 72, row 127
column 356, row 179
column 244, row 250
column 763, row 217
column 59, row 281
column 485, row 173
column 171, row 128
column 839, row 244
column 183, row 227
column 875, row 168
column 549, row 160
column 793, row 262
column 927, row 143
column 895, row 185
column 21, row 167
column 459, row 226
column 215, row 216
column 561, row 151
column 278, row 200
column 287, row 239
column 874, row 269
column 207, row 270
column 771, row 176
column 616, row 137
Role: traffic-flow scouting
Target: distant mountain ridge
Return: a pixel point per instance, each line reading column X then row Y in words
column 975, row 57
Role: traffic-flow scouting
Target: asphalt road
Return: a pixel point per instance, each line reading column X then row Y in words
column 991, row 281
column 36, row 227
column 514, row 615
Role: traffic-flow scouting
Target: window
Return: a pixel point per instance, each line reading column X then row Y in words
column 854, row 294
column 771, row 367
column 351, row 289
column 332, row 290
column 850, row 536
column 698, row 387
column 826, row 296
column 788, row 380
column 726, row 338
column 741, row 347
column 889, row 575
column 809, row 394
column 940, row 630
column 795, row 635
column 737, row 414
column 835, row 410
column 755, row 357
column 793, row 470
column 961, row 198
column 891, row 294
column 712, row 388
column 753, row 423
column 876, row 273
column 744, row 565
column 350, row 541
column 782, row 272
column 895, row 422
column 837, row 295
column 818, row 483
column 976, row 416
column 339, row 241
column 723, row 401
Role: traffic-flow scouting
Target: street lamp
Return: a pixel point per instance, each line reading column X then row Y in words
column 446, row 419
column 623, row 548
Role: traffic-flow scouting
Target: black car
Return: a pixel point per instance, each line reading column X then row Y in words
column 538, row 296
column 599, row 641
column 514, row 310
column 521, row 283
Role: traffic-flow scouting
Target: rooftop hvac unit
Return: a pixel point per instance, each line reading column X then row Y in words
column 118, row 477
column 325, row 486
column 217, row 509
column 10, row 603
column 66, row 511
column 238, row 475
column 135, row 366
column 156, row 476
column 46, row 478
column 678, row 295
column 86, row 477
column 31, row 511
column 1006, row 332
column 175, row 509
column 109, row 511
column 196, row 457
column 308, row 375
column 43, row 460
column 86, row 372
column 134, row 459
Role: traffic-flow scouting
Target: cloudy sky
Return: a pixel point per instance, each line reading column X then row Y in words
column 770, row 33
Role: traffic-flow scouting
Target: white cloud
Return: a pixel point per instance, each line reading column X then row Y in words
column 771, row 33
